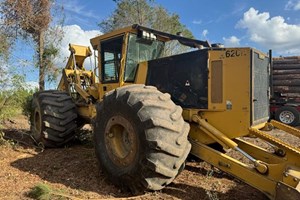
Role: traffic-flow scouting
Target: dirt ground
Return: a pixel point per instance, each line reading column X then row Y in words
column 74, row 171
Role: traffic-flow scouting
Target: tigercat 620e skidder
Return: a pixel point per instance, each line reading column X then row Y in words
column 149, row 111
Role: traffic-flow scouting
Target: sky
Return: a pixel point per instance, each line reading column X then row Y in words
column 262, row 24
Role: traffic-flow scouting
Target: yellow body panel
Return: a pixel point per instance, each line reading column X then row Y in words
column 236, row 89
column 78, row 54
column 96, row 40
column 104, row 88
column 235, row 167
column 227, row 117
column 232, row 115
column 141, row 74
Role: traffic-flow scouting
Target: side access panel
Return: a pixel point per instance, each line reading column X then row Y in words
column 184, row 76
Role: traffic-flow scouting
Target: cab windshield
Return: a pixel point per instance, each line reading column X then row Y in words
column 140, row 50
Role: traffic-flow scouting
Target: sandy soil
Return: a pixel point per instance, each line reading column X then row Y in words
column 74, row 171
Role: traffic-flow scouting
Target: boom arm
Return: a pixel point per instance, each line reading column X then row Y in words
column 79, row 82
column 77, row 57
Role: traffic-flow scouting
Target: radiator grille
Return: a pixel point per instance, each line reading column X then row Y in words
column 260, row 111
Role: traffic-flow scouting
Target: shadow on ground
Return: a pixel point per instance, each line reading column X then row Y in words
column 76, row 167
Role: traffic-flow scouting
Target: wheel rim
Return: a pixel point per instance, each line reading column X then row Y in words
column 121, row 141
column 286, row 117
column 37, row 123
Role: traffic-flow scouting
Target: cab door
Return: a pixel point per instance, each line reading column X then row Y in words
column 111, row 52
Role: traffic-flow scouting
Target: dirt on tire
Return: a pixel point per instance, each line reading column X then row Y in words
column 74, row 171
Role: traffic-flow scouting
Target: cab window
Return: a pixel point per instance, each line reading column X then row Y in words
column 111, row 52
column 139, row 51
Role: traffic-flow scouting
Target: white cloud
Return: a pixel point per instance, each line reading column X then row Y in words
column 205, row 32
column 272, row 33
column 292, row 5
column 232, row 41
column 238, row 8
column 79, row 8
column 288, row 5
column 198, row 22
column 75, row 35
column 77, row 12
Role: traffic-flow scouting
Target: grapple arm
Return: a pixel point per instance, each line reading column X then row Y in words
column 275, row 172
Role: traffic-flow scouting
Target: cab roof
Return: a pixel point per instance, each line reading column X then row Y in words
column 135, row 28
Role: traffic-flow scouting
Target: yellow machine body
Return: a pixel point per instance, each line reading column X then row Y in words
column 236, row 105
column 230, row 94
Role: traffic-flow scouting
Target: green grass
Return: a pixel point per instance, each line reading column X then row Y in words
column 44, row 192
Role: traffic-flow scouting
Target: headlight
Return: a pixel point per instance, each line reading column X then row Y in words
column 149, row 36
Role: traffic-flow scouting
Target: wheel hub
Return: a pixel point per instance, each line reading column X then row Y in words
column 286, row 117
column 37, row 121
column 121, row 141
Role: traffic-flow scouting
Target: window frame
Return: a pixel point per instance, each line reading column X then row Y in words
column 115, row 60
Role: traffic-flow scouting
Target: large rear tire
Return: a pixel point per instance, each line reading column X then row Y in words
column 53, row 118
column 140, row 138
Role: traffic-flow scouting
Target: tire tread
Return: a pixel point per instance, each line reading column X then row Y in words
column 58, row 115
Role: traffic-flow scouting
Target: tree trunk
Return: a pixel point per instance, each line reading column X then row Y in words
column 41, row 61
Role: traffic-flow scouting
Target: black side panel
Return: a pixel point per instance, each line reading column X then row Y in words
column 184, row 76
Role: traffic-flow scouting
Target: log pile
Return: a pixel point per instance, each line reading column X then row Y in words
column 286, row 75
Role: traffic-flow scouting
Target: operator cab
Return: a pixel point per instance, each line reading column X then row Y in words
column 121, row 52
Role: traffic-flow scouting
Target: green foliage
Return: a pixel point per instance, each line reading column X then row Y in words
column 146, row 13
column 27, row 102
column 15, row 99
column 40, row 191
column 128, row 12
column 13, row 102
column 4, row 46
column 4, row 54
column 44, row 192
column 51, row 71
column 30, row 20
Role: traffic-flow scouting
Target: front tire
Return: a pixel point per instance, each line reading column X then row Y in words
column 53, row 118
column 140, row 138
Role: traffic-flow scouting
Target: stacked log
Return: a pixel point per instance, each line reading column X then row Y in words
column 286, row 75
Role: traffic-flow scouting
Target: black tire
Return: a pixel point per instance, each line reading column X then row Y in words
column 140, row 138
column 53, row 118
column 288, row 115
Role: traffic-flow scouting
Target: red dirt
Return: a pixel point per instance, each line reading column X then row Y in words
column 75, row 171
